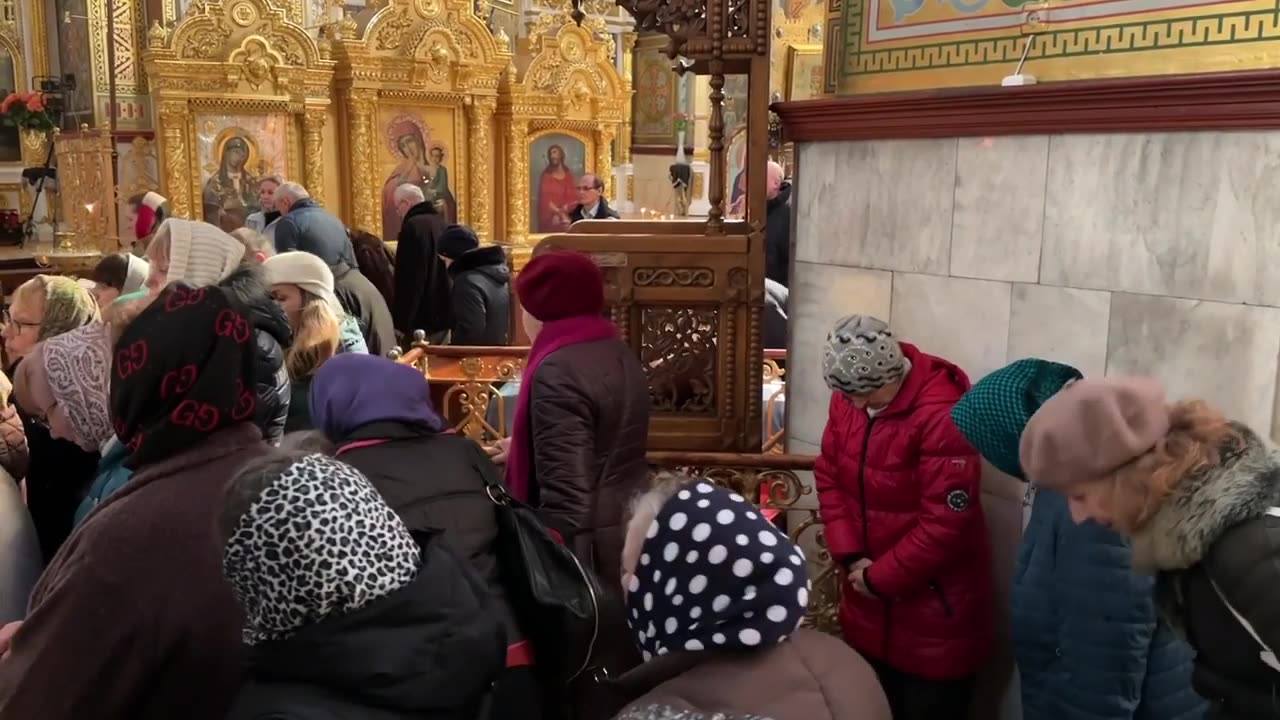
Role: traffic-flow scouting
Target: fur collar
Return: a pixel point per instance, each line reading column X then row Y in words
column 1205, row 504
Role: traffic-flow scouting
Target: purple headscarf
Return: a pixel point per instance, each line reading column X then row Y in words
column 353, row 389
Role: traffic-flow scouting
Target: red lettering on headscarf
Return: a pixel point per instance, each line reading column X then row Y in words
column 246, row 402
column 182, row 297
column 131, row 359
column 232, row 324
column 178, row 381
column 194, row 414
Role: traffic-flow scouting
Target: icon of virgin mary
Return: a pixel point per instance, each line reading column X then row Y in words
column 231, row 194
column 422, row 164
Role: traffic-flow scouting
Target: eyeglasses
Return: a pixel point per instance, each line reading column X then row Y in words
column 589, row 187
column 9, row 320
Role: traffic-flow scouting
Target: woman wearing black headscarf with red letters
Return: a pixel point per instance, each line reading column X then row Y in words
column 132, row 618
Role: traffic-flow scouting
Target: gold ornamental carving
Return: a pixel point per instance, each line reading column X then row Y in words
column 236, row 69
column 570, row 89
column 87, row 191
column 404, row 59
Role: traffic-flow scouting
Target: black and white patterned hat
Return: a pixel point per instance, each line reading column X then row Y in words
column 862, row 356
column 714, row 574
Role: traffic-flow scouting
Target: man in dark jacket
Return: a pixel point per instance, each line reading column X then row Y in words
column 306, row 226
column 363, row 302
column 422, row 285
column 591, row 202
column 775, row 315
column 481, row 294
column 777, row 229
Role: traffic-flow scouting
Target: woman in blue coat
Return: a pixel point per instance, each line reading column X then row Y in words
column 1085, row 633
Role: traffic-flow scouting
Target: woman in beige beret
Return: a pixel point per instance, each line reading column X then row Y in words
column 1199, row 496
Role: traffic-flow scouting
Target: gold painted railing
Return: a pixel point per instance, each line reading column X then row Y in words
column 469, row 388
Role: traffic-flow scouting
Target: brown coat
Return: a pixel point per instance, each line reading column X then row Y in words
column 812, row 676
column 132, row 618
column 13, row 443
column 589, row 417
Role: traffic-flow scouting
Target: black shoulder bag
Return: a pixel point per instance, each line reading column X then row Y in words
column 555, row 599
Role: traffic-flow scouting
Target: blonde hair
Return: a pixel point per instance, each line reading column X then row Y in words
column 254, row 242
column 1197, row 438
column 119, row 315
column 315, row 339
column 644, row 508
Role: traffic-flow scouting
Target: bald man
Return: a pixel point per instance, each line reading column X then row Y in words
column 777, row 237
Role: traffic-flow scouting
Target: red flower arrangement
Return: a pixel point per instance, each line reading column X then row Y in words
column 681, row 120
column 26, row 111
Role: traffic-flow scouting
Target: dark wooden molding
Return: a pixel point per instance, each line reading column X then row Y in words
column 1207, row 101
column 659, row 150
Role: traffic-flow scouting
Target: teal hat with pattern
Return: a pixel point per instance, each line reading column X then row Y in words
column 993, row 414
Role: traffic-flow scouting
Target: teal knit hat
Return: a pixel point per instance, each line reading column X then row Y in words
column 993, row 414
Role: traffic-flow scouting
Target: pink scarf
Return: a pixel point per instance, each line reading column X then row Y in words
column 553, row 336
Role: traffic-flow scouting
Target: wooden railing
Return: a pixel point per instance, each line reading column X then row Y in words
column 474, row 388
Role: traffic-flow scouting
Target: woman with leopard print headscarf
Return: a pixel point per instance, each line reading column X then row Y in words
column 347, row 613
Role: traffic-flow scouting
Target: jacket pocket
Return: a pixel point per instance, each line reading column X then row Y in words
column 936, row 586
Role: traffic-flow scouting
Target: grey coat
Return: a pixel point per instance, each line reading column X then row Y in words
column 20, row 559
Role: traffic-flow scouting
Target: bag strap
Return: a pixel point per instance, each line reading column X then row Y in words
column 1267, row 655
column 357, row 444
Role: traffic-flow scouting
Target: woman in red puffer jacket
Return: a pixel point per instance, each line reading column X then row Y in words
column 899, row 490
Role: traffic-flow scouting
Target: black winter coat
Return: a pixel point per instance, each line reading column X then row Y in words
column 451, row 498
column 58, row 478
column 422, row 285
column 273, row 337
column 777, row 237
column 1219, row 526
column 481, row 298
column 363, row 302
column 428, row 651
column 311, row 228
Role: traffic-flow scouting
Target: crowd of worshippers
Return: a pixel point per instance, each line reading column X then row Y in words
column 221, row 504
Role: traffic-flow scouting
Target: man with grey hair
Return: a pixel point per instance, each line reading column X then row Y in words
column 421, row 300
column 306, row 226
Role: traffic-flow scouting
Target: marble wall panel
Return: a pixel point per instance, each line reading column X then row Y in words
column 820, row 295
column 965, row 321
column 999, row 207
column 1181, row 214
column 1225, row 354
column 884, row 205
column 1063, row 324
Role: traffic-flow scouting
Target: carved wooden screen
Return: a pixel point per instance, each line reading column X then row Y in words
column 685, row 302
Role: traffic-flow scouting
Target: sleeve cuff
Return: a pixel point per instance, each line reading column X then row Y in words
column 866, row 580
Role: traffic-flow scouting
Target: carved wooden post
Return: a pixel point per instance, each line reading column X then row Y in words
column 518, row 182
column 175, row 175
column 715, row 145
column 628, row 68
column 604, row 162
column 364, row 210
column 313, row 151
column 480, row 117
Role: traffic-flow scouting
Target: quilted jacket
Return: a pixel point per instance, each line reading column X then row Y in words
column 1084, row 628
column 13, row 443
column 902, row 489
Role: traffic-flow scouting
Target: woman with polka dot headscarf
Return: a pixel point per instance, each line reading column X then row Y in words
column 715, row 596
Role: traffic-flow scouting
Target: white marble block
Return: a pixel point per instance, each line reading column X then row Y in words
column 1224, row 354
column 1061, row 324
column 965, row 321
column 821, row 295
column 884, row 205
column 999, row 208
column 1180, row 214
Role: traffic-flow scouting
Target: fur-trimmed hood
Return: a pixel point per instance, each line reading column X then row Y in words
column 1242, row 486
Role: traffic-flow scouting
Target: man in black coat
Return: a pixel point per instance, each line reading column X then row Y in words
column 422, row 285
column 777, row 229
column 481, row 294
column 306, row 226
column 591, row 202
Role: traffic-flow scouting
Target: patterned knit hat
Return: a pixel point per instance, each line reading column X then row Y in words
column 862, row 356
column 995, row 411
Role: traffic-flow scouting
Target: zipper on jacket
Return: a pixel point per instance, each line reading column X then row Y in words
column 866, row 528
column 942, row 597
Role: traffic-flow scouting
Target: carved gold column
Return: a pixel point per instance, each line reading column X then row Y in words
column 175, row 175
column 628, row 72
column 39, row 40
column 604, row 161
column 364, row 207
column 313, row 151
column 480, row 118
column 518, row 182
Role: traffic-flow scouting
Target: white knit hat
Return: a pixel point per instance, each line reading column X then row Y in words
column 135, row 274
column 305, row 270
column 201, row 254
